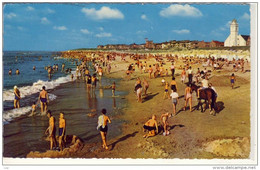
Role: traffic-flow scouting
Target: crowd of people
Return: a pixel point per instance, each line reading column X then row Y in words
column 101, row 62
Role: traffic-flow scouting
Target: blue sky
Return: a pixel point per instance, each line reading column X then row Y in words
column 55, row 27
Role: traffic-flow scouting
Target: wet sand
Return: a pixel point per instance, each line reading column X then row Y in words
column 189, row 131
column 81, row 108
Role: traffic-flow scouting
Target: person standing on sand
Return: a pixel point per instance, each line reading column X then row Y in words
column 190, row 75
column 151, row 125
column 146, row 86
column 44, row 99
column 175, row 101
column 164, row 119
column 188, row 97
column 183, row 75
column 174, row 84
column 102, row 127
column 62, row 129
column 51, row 130
column 232, row 80
column 172, row 69
column 166, row 91
column 17, row 97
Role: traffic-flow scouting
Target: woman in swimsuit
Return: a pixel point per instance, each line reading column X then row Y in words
column 175, row 99
column 188, row 97
column 102, row 126
column 17, row 97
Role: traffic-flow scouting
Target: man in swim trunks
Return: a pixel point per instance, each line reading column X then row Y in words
column 17, row 97
column 102, row 126
column 44, row 98
column 62, row 128
column 151, row 125
column 51, row 130
column 188, row 97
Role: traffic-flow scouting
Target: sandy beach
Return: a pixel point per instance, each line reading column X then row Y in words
column 193, row 135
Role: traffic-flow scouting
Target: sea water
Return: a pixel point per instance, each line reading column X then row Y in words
column 23, row 133
column 29, row 81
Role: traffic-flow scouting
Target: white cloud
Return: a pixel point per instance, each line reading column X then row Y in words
column 61, row 28
column 44, row 20
column 216, row 33
column 180, row 10
column 144, row 17
column 85, row 31
column 103, row 34
column 50, row 11
column 183, row 31
column 101, row 28
column 10, row 15
column 20, row 28
column 103, row 13
column 29, row 8
column 141, row 32
column 246, row 16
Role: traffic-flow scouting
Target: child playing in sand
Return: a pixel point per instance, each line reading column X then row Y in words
column 33, row 108
column 232, row 80
column 164, row 119
column 175, row 99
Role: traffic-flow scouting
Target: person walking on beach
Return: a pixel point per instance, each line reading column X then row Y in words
column 172, row 69
column 102, row 127
column 174, row 84
column 164, row 119
column 51, row 130
column 146, row 86
column 190, row 75
column 138, row 89
column 232, row 80
column 62, row 129
column 17, row 97
column 175, row 101
column 44, row 99
column 151, row 125
column 183, row 75
column 188, row 97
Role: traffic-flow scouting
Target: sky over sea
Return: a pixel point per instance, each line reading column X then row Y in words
column 58, row 26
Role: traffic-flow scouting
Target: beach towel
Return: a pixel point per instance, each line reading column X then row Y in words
column 100, row 121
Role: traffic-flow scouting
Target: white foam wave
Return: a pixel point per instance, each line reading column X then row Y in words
column 36, row 87
column 14, row 113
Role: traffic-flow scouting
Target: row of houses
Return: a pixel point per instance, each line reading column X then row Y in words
column 184, row 44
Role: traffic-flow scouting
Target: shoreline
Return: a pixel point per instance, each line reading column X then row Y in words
column 189, row 131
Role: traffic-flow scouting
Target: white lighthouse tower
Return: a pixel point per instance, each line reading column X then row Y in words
column 232, row 39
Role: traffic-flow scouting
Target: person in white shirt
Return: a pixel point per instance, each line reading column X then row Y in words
column 205, row 84
column 174, row 95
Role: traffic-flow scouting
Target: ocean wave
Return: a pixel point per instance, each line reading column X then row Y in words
column 9, row 115
column 36, row 87
column 14, row 113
